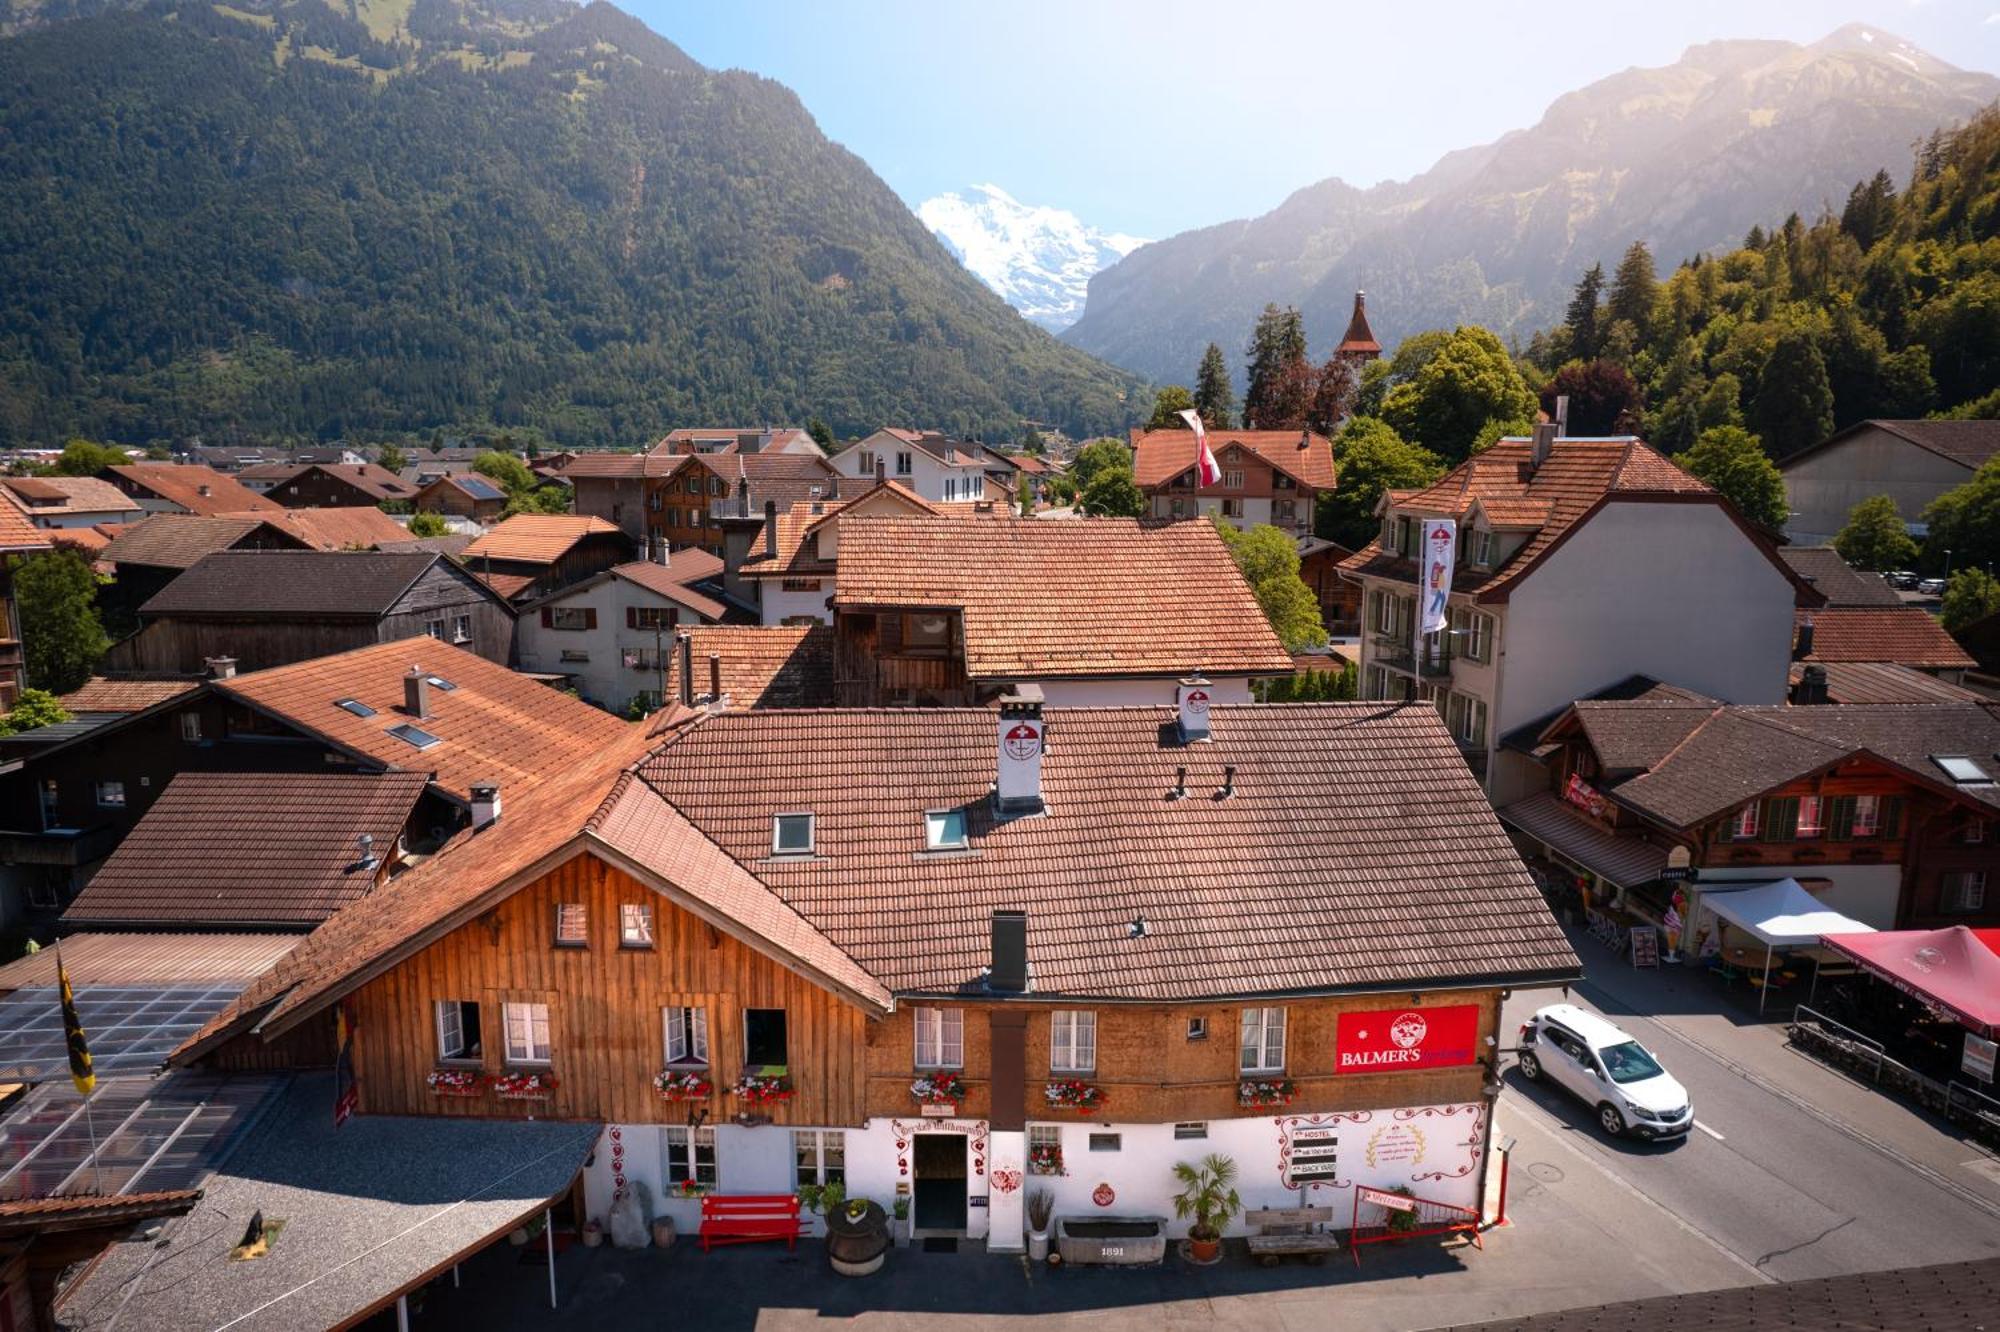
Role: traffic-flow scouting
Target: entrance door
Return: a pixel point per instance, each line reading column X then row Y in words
column 940, row 1182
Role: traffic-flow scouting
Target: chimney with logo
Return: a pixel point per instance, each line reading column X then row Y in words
column 417, row 693
column 1022, row 733
column 1193, row 696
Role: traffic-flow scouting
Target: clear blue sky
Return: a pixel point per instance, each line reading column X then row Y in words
column 1153, row 116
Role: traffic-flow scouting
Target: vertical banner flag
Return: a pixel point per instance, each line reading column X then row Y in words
column 1439, row 553
column 1206, row 471
column 80, row 1071
column 345, row 1098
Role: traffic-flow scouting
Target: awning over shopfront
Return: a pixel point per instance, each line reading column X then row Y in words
column 1952, row 969
column 1780, row 914
column 1623, row 861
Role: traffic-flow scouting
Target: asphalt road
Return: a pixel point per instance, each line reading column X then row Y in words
column 1764, row 1176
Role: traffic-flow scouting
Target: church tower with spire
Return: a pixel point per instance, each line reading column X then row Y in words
column 1359, row 344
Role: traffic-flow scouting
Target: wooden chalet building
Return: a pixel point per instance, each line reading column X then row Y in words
column 185, row 488
column 469, row 495
column 726, row 975
column 531, row 555
column 340, row 485
column 1268, row 476
column 688, row 499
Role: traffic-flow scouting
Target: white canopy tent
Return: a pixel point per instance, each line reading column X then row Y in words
column 1779, row 915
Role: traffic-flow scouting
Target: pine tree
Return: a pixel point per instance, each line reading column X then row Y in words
column 1584, row 339
column 1794, row 405
column 1277, row 349
column 1634, row 289
column 1213, row 397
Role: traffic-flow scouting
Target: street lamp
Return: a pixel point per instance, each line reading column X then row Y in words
column 1947, row 564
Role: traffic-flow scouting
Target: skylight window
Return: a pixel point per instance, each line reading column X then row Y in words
column 413, row 735
column 944, row 829
column 792, row 835
column 1961, row 769
column 355, row 706
column 439, row 682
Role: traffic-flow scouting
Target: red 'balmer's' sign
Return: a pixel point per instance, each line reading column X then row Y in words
column 1396, row 1040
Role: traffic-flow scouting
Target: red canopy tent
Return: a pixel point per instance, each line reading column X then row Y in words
column 1952, row 969
column 1991, row 938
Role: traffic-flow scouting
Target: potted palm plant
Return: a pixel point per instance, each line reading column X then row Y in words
column 1208, row 1200
column 1041, row 1210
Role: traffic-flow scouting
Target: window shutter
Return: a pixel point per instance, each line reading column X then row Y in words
column 1890, row 824
column 1086, row 1040
column 590, row 617
column 953, row 1045
column 631, row 617
column 548, row 617
column 1840, row 818
column 700, row 1033
column 1781, row 819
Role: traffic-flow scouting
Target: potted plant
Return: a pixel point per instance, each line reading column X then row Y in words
column 939, row 1089
column 809, row 1196
column 1041, row 1210
column 1400, row 1223
column 1208, row 1199
column 1074, row 1094
column 902, row 1220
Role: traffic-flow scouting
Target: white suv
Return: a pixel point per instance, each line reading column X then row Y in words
column 1596, row 1060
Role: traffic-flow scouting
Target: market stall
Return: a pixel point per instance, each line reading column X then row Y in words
column 1780, row 914
column 1954, row 972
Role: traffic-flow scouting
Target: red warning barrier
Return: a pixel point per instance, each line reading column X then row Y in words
column 1401, row 1216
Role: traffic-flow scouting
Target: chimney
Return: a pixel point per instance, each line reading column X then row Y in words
column 485, row 803
column 663, row 549
column 1180, row 784
column 417, row 693
column 1021, row 734
column 1009, row 971
column 1811, row 688
column 1228, row 788
column 220, row 668
column 743, row 495
column 202, row 489
column 770, row 529
column 1562, row 415
column 686, row 644
column 1306, row 438
column 1544, row 442
column 1802, row 646
column 1192, row 697
column 714, row 676
column 365, row 858
column 881, row 469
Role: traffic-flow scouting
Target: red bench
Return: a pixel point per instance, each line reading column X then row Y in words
column 745, row 1218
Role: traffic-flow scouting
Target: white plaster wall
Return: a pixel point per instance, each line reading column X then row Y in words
column 604, row 679
column 775, row 605
column 1823, row 486
column 1137, row 691
column 1674, row 591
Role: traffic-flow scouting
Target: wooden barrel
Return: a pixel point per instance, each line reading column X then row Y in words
column 857, row 1246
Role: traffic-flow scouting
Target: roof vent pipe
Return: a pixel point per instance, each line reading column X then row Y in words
column 770, row 529
column 221, row 668
column 1228, row 782
column 714, row 676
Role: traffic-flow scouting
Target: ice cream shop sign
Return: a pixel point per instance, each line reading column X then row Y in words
column 1396, row 1040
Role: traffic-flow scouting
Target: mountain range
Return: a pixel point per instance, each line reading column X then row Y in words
column 298, row 218
column 1036, row 258
column 1686, row 157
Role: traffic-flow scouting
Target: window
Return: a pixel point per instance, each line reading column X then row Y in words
column 461, row 629
column 572, row 925
column 944, row 829
column 927, row 633
column 635, row 925
column 764, row 1037
column 413, row 735
column 819, row 1156
column 458, row 1030
column 651, row 617
column 1781, row 819
column 1232, row 508
column 1481, row 548
column 1743, row 827
column 435, row 628
column 1045, row 1149
column 951, row 488
column 1961, row 769
column 1975, row 832
column 792, row 835
column 801, row 584
column 570, row 617
column 575, row 655
column 527, row 1033
column 110, row 795
column 1867, row 815
column 940, row 1037
column 1479, row 637
column 1263, row 1043
column 1466, row 716
column 1375, row 683
column 690, row 1156
column 1963, row 891
column 51, row 804
column 355, row 706
column 867, row 467
column 687, row 1035
column 1107, row 1142
column 1197, row 1028
column 1190, row 1132
column 1232, row 478
column 1072, row 1042
column 191, row 726
column 45, row 891
column 1809, row 817
column 903, row 464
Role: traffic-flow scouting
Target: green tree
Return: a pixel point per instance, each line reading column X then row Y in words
column 1168, row 404
column 81, row 457
column 1966, row 521
column 1277, row 351
column 1634, row 289
column 1372, row 458
column 1972, row 594
column 1269, row 560
column 1113, row 494
column 1876, row 536
column 61, row 635
column 1213, row 396
column 821, row 432
column 1794, row 404
column 1581, row 317
column 1100, row 455
column 158, row 453
column 505, row 470
column 35, row 707
column 537, row 499
column 427, row 524
column 1732, row 460
column 1470, row 381
column 392, row 457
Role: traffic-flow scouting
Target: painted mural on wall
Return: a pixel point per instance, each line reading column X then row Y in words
column 1417, row 1146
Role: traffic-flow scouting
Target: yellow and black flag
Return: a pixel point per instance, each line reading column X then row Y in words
column 80, row 1071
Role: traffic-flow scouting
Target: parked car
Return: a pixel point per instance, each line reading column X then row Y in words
column 1903, row 580
column 1931, row 587
column 1595, row 1059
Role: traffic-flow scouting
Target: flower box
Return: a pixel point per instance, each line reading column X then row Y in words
column 761, row 1089
column 1045, row 1158
column 939, row 1088
column 461, row 1082
column 1265, row 1093
column 688, row 1188
column 1074, row 1094
column 523, row 1086
column 683, row 1086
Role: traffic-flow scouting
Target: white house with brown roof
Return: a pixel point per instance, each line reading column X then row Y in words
column 1912, row 462
column 72, row 501
column 1580, row 562
column 935, row 466
column 1268, row 476
column 787, row 565
column 611, row 635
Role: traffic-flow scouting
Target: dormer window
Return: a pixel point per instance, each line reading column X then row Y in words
column 944, row 829
column 792, row 835
column 1480, row 548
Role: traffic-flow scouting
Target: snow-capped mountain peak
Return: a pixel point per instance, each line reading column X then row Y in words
column 1039, row 259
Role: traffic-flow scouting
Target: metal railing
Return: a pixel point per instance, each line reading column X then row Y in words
column 1822, row 1034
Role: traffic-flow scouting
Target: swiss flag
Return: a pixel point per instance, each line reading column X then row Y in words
column 1206, row 473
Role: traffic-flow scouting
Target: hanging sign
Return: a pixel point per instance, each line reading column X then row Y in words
column 1392, row 1040
column 1395, row 1202
column 1978, row 1057
column 1440, row 553
column 1584, row 796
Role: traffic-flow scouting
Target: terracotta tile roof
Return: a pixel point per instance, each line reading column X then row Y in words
column 17, row 530
column 732, row 438
column 806, row 518
column 617, row 465
column 137, row 958
column 495, row 726
column 271, row 471
column 341, row 527
column 1971, row 444
column 508, row 586
column 776, row 666
column 369, row 478
column 1906, row 635
column 786, row 478
column 179, row 540
column 472, row 485
column 1158, row 456
column 1093, row 597
column 1835, row 580
column 537, row 538
column 18, row 1214
column 90, row 542
column 227, row 850
column 184, row 484
column 100, row 694
column 52, row 496
column 291, row 583
column 1866, row 682
column 453, row 545
column 1359, row 340
column 1356, row 851
column 672, row 581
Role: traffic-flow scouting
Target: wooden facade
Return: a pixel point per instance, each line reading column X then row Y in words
column 877, row 661
column 317, row 488
column 592, row 553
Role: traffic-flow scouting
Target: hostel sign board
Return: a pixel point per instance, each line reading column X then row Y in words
column 1399, row 1040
